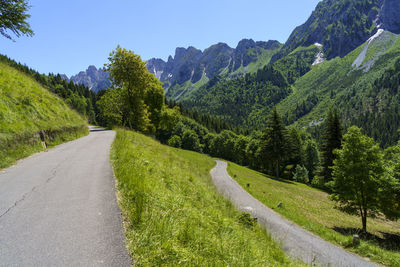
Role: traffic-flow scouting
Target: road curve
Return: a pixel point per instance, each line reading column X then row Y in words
column 295, row 241
column 58, row 208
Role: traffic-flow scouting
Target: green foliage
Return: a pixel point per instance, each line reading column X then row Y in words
column 314, row 211
column 311, row 157
column 390, row 202
column 331, row 140
column 175, row 141
column 274, row 146
column 140, row 94
column 79, row 97
column 301, row 175
column 13, row 17
column 26, row 108
column 358, row 175
column 190, row 141
column 175, row 216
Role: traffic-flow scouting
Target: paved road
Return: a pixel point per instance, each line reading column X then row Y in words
column 58, row 208
column 295, row 241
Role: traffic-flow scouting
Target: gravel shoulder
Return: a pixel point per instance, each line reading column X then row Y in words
column 295, row 241
column 58, row 208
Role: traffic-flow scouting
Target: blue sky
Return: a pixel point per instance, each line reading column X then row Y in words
column 70, row 35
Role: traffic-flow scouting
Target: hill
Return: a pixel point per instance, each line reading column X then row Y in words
column 314, row 211
column 26, row 109
column 363, row 85
column 344, row 56
column 175, row 216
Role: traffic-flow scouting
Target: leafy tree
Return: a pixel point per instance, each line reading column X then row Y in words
column 332, row 139
column 175, row 141
column 13, row 18
column 223, row 145
column 390, row 202
column 111, row 106
column 240, row 149
column 274, row 146
column 190, row 141
column 301, row 174
column 358, row 175
column 253, row 150
column 139, row 90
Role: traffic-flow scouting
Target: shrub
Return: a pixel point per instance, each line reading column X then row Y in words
column 301, row 174
column 175, row 141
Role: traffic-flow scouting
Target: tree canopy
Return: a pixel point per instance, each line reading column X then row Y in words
column 359, row 177
column 13, row 18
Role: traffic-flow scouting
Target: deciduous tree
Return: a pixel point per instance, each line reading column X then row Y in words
column 358, row 175
column 13, row 18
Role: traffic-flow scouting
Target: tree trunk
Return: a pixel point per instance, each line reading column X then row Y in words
column 277, row 169
column 364, row 222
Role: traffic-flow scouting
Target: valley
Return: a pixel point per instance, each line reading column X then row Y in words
column 261, row 153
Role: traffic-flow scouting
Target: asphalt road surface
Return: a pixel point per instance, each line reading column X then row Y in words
column 58, row 208
column 295, row 241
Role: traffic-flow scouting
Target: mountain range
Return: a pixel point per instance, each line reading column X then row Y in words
column 343, row 56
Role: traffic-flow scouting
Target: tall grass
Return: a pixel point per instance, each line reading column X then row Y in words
column 313, row 210
column 174, row 215
column 26, row 108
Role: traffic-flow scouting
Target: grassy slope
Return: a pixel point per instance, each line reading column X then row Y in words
column 312, row 210
column 339, row 77
column 174, row 214
column 27, row 108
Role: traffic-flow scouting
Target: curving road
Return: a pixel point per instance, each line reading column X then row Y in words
column 58, row 208
column 296, row 242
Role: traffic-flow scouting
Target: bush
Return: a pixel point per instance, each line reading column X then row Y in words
column 190, row 141
column 175, row 141
column 301, row 174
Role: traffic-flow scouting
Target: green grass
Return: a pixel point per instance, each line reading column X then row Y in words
column 311, row 209
column 174, row 215
column 26, row 108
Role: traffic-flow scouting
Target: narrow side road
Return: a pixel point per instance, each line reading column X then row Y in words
column 296, row 242
column 58, row 208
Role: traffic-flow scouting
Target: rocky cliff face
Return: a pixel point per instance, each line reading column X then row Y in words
column 191, row 64
column 342, row 25
column 95, row 79
column 389, row 16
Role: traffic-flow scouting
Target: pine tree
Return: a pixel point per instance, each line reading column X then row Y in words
column 332, row 138
column 274, row 146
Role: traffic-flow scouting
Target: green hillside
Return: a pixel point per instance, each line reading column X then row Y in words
column 246, row 101
column 26, row 108
column 174, row 215
column 311, row 209
column 364, row 94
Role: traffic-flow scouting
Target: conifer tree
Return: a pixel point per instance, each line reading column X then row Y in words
column 332, row 138
column 274, row 146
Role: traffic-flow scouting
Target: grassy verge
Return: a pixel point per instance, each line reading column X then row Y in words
column 174, row 215
column 312, row 210
column 15, row 149
column 26, row 108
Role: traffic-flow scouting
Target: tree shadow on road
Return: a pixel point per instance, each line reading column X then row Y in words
column 388, row 241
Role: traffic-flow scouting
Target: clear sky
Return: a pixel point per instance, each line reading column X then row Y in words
column 71, row 35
